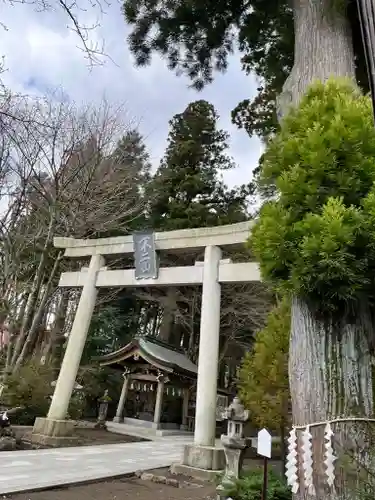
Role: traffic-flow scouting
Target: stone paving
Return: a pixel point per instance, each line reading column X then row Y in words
column 33, row 469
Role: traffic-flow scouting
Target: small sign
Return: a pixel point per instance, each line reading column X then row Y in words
column 264, row 443
column 145, row 258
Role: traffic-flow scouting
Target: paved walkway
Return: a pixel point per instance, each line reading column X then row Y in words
column 33, row 469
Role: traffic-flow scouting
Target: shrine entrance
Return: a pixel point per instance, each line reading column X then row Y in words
column 146, row 247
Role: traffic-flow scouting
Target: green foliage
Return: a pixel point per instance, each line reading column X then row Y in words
column 95, row 380
column 249, row 487
column 316, row 238
column 198, row 37
column 263, row 382
column 110, row 329
column 187, row 190
column 131, row 151
column 258, row 116
column 30, row 388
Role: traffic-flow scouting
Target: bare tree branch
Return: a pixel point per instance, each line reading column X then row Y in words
column 60, row 174
column 73, row 11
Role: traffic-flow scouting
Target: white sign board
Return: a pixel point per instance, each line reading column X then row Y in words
column 264, row 443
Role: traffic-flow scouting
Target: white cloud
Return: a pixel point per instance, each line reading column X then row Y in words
column 41, row 53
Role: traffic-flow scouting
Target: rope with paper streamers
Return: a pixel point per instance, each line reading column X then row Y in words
column 307, row 463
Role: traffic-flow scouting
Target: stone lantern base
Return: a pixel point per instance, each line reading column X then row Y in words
column 201, row 462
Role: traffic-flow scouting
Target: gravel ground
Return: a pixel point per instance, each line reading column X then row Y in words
column 127, row 488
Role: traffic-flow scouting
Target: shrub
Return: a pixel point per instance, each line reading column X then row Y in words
column 263, row 380
column 316, row 238
column 29, row 388
column 249, row 487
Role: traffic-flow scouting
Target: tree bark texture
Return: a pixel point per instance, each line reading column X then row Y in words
column 32, row 333
column 329, row 361
column 169, row 311
column 330, row 373
column 34, row 292
column 323, row 48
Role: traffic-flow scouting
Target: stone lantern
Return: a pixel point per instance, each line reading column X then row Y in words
column 234, row 443
column 103, row 409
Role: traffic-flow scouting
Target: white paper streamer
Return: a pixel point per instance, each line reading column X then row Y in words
column 330, row 457
column 308, row 461
column 291, row 461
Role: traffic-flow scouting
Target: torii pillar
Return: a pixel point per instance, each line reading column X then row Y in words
column 202, row 455
column 55, row 429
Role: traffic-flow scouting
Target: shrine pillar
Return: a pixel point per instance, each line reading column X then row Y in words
column 76, row 343
column 185, row 409
column 121, row 404
column 159, row 402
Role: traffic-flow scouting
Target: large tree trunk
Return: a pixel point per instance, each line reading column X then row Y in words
column 330, row 373
column 32, row 334
column 323, row 48
column 169, row 311
column 34, row 293
column 329, row 361
column 57, row 331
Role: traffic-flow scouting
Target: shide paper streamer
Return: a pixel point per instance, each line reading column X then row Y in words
column 308, row 461
column 291, row 462
column 329, row 455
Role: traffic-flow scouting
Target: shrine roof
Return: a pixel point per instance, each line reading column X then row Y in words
column 154, row 352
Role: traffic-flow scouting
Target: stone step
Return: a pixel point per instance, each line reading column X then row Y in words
column 146, row 432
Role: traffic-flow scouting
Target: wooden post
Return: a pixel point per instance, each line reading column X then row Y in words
column 265, row 478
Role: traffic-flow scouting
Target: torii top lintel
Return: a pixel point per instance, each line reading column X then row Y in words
column 223, row 236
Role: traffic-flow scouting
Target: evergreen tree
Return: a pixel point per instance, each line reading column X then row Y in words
column 132, row 152
column 197, row 38
column 264, row 386
column 116, row 323
column 188, row 190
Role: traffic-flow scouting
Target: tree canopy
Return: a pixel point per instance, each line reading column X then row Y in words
column 198, row 37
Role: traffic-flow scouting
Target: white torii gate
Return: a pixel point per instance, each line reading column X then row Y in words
column 55, row 429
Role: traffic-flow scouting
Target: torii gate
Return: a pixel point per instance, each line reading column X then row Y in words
column 55, row 429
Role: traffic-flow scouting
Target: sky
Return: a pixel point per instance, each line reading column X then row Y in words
column 42, row 53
